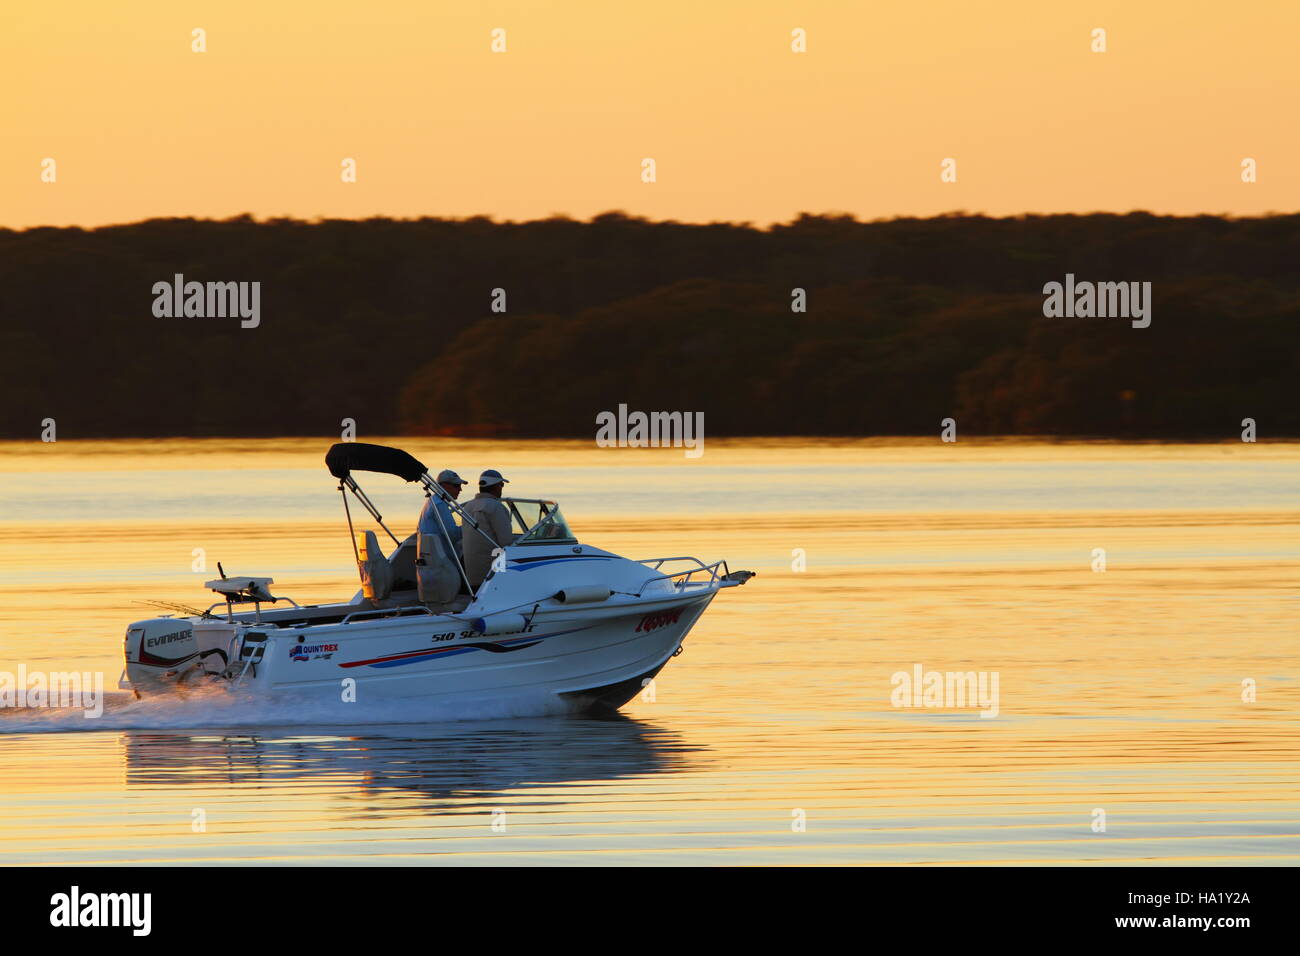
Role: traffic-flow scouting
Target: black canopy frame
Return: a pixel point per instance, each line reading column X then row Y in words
column 345, row 457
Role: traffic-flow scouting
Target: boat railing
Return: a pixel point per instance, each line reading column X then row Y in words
column 257, row 607
column 681, row 579
column 387, row 612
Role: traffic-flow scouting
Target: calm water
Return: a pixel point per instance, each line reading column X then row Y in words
column 772, row 739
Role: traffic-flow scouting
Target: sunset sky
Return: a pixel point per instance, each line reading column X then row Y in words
column 741, row 128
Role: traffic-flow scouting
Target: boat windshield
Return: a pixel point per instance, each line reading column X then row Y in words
column 538, row 521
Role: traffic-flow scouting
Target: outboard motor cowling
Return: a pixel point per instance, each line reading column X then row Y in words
column 159, row 652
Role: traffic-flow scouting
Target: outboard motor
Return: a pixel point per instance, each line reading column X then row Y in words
column 161, row 651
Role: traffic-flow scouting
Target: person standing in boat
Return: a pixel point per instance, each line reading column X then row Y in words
column 439, row 575
column 493, row 519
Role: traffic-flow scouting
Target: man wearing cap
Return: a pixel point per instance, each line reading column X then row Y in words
column 438, row 543
column 493, row 519
column 437, row 513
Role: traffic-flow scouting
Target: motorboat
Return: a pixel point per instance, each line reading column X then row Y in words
column 556, row 624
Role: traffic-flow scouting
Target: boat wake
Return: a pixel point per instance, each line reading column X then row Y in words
column 218, row 708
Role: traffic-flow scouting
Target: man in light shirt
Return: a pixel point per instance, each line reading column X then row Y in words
column 439, row 543
column 437, row 513
column 493, row 519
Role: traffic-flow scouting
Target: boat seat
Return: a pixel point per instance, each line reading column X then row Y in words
column 403, row 564
column 376, row 572
column 437, row 577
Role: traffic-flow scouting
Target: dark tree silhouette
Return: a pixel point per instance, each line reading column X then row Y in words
column 909, row 321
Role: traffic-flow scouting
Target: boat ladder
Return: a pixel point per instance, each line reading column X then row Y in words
column 251, row 650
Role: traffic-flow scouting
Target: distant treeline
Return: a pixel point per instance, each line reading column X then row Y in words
column 907, row 322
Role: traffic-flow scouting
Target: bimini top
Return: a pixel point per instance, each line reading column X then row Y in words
column 350, row 456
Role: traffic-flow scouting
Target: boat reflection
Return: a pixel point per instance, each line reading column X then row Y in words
column 439, row 761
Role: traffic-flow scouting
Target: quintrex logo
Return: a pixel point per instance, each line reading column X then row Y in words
column 76, row 909
column 310, row 652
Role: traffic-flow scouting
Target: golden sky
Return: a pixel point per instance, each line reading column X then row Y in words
column 740, row 127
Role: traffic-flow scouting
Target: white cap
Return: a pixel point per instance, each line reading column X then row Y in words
column 449, row 477
column 491, row 477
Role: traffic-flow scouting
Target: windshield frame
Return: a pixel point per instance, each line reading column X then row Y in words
column 550, row 512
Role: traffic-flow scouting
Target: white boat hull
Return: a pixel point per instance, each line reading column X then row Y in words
column 568, row 662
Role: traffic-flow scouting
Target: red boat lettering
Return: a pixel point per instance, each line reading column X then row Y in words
column 659, row 619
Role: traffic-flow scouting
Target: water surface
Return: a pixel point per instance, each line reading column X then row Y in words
column 772, row 739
